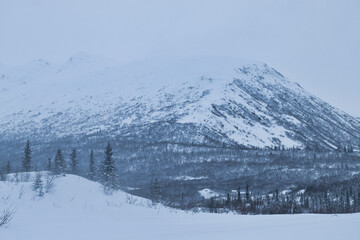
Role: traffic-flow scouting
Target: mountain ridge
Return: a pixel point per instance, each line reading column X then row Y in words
column 214, row 101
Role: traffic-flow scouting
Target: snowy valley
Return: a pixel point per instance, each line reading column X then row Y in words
column 77, row 208
column 144, row 120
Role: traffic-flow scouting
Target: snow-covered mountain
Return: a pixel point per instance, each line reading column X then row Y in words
column 213, row 101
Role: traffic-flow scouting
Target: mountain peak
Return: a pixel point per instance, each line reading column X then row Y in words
column 86, row 62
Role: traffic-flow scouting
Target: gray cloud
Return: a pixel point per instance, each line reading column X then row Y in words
column 315, row 43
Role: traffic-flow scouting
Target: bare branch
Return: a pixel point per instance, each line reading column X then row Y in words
column 7, row 216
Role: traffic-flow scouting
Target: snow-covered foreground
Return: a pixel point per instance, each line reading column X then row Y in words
column 78, row 209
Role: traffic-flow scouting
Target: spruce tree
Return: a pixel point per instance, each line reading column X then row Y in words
column 155, row 191
column 26, row 161
column 49, row 165
column 211, row 205
column 347, row 202
column 74, row 162
column 182, row 201
column 355, row 202
column 91, row 173
column 108, row 169
column 247, row 193
column 38, row 185
column 8, row 167
column 239, row 201
column 228, row 200
column 276, row 195
column 60, row 164
column 351, row 149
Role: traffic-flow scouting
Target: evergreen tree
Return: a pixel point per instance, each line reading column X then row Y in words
column 38, row 185
column 211, row 205
column 155, row 191
column 355, row 202
column 228, row 200
column 351, row 149
column 182, row 201
column 91, row 173
column 276, row 195
column 347, row 202
column 60, row 164
column 108, row 169
column 26, row 161
column 247, row 193
column 49, row 165
column 239, row 201
column 74, row 161
column 8, row 167
column 326, row 202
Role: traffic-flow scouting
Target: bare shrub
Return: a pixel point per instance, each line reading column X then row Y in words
column 24, row 177
column 21, row 192
column 6, row 216
column 49, row 183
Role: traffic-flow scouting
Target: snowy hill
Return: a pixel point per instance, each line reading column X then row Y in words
column 212, row 101
column 78, row 209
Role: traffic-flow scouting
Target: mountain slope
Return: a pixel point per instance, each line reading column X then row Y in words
column 78, row 209
column 212, row 101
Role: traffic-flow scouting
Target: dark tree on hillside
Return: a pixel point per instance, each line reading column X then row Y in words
column 212, row 205
column 155, row 191
column 239, row 201
column 38, row 185
column 74, row 161
column 60, row 164
column 49, row 165
column 228, row 200
column 91, row 173
column 108, row 169
column 276, row 195
column 351, row 149
column 247, row 193
column 182, row 201
column 8, row 168
column 347, row 202
column 26, row 161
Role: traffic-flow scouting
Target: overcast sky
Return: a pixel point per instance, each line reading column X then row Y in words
column 315, row 43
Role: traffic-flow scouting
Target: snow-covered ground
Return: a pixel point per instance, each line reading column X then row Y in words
column 207, row 193
column 78, row 209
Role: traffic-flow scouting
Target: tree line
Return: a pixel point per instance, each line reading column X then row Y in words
column 105, row 173
column 343, row 200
